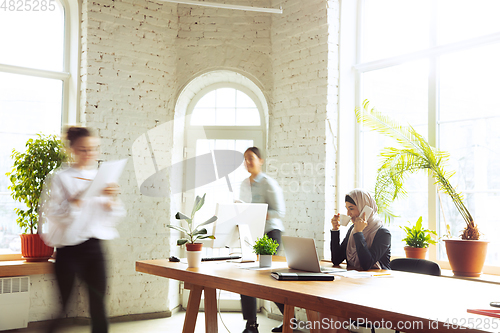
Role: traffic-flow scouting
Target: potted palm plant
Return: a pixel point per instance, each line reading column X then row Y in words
column 193, row 233
column 415, row 154
column 265, row 247
column 43, row 154
column 417, row 240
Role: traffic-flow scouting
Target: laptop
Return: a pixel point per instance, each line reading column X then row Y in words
column 301, row 255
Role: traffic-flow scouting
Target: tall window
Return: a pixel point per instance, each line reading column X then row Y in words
column 223, row 117
column 33, row 79
column 433, row 64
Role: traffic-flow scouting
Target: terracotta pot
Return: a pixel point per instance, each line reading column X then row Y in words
column 194, row 255
column 466, row 257
column 416, row 252
column 194, row 247
column 34, row 249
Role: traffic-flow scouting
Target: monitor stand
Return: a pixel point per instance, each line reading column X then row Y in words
column 247, row 254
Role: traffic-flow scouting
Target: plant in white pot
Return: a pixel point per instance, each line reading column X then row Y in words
column 265, row 247
column 417, row 240
column 193, row 233
column 42, row 155
column 466, row 255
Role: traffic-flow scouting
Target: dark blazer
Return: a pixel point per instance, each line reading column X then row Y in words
column 379, row 251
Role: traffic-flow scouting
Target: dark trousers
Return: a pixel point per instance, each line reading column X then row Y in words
column 86, row 261
column 249, row 304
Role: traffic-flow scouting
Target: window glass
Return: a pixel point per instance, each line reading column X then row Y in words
column 394, row 27
column 225, row 107
column 458, row 20
column 469, row 120
column 467, row 112
column 219, row 190
column 32, row 38
column 28, row 105
column 401, row 93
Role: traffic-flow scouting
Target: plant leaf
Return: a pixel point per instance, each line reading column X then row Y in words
column 182, row 241
column 181, row 216
column 210, row 220
column 198, row 203
column 181, row 229
column 200, row 232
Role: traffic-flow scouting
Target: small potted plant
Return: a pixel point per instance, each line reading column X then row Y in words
column 43, row 154
column 192, row 233
column 265, row 247
column 417, row 240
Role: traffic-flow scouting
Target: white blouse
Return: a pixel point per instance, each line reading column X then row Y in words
column 65, row 223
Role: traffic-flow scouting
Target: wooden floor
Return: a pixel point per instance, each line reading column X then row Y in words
column 233, row 321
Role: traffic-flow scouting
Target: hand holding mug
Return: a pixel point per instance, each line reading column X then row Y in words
column 335, row 222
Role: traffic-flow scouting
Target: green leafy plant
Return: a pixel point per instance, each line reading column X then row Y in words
column 414, row 154
column 265, row 246
column 417, row 236
column 43, row 154
column 193, row 233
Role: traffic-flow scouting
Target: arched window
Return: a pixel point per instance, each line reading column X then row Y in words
column 223, row 116
column 222, row 110
column 35, row 87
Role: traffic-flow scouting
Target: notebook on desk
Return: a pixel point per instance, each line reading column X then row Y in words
column 306, row 276
column 301, row 255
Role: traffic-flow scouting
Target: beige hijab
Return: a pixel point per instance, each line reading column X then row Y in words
column 362, row 199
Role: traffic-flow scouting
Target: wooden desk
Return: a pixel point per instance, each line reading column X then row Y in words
column 427, row 303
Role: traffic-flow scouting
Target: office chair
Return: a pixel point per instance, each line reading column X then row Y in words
column 420, row 266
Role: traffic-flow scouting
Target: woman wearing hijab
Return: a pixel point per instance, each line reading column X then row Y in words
column 367, row 243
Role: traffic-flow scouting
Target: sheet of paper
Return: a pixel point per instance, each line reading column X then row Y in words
column 255, row 266
column 354, row 274
column 108, row 173
column 332, row 270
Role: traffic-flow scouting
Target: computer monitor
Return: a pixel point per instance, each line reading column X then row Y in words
column 229, row 216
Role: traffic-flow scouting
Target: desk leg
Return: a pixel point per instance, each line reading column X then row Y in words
column 287, row 317
column 210, row 310
column 192, row 309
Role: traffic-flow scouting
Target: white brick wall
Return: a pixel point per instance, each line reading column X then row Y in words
column 210, row 39
column 299, row 137
column 136, row 58
column 130, row 78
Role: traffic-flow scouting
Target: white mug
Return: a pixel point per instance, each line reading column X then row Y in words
column 344, row 219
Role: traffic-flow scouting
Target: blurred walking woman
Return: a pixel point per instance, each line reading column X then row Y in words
column 260, row 188
column 76, row 226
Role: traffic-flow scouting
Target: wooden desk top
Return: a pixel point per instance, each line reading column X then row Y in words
column 425, row 302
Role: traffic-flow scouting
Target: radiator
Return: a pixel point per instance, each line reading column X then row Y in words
column 14, row 302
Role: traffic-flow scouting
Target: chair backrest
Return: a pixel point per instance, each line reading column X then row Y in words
column 421, row 266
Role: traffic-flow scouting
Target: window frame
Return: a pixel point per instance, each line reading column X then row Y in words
column 246, row 131
column 70, row 106
column 353, row 76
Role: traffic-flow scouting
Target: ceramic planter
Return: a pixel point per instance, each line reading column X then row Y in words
column 194, row 254
column 265, row 260
column 34, row 249
column 416, row 252
column 466, row 257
